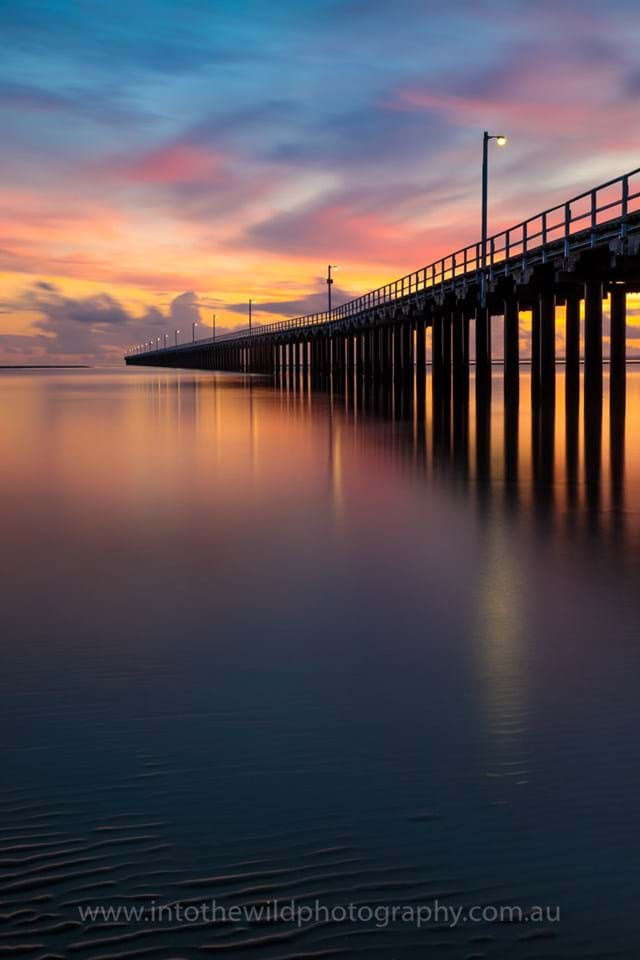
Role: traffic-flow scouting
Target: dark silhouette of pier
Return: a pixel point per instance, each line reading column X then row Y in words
column 582, row 251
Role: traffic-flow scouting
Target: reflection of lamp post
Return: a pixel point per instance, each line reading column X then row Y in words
column 330, row 267
column 193, row 331
column 214, row 327
column 501, row 141
column 177, row 332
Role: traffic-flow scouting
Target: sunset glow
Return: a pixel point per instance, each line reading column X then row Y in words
column 163, row 162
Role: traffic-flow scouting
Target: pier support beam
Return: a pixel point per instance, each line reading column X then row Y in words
column 407, row 353
column 397, row 352
column 436, row 349
column 375, row 351
column 483, row 345
column 445, row 379
column 458, row 350
column 387, row 353
column 421, row 349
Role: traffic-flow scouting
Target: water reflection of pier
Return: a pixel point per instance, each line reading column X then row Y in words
column 545, row 456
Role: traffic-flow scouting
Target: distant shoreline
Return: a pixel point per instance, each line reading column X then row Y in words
column 45, row 366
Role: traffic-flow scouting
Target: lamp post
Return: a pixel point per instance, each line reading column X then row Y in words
column 193, row 331
column 165, row 340
column 250, row 303
column 214, row 328
column 330, row 267
column 176, row 335
column 501, row 141
column 157, row 343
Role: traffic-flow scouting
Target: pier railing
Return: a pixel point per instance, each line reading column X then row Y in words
column 589, row 219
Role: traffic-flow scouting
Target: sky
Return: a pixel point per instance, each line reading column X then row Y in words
column 163, row 161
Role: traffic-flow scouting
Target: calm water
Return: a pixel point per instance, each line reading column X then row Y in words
column 266, row 643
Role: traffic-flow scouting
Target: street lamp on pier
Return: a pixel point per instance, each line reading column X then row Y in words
column 501, row 140
column 330, row 267
column 250, row 305
column 176, row 335
column 193, row 331
column 165, row 340
column 214, row 327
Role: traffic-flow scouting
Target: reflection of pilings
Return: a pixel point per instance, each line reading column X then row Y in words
column 572, row 346
column 592, row 450
column 421, row 425
column 535, row 353
column 511, row 446
column 572, row 429
column 461, row 425
column 542, row 443
column 547, row 346
column 617, row 416
column 618, row 304
column 446, row 356
column 483, row 437
column 511, row 352
column 592, row 343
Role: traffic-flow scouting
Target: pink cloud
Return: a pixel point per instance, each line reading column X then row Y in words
column 177, row 163
column 568, row 102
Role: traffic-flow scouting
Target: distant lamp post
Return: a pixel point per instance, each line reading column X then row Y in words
column 165, row 340
column 501, row 140
column 176, row 334
column 157, row 343
column 250, row 305
column 214, row 327
column 193, row 331
column 330, row 267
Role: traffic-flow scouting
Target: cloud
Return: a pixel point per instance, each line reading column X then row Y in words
column 95, row 311
column 184, row 309
column 174, row 163
column 402, row 228
column 93, row 328
column 314, row 302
